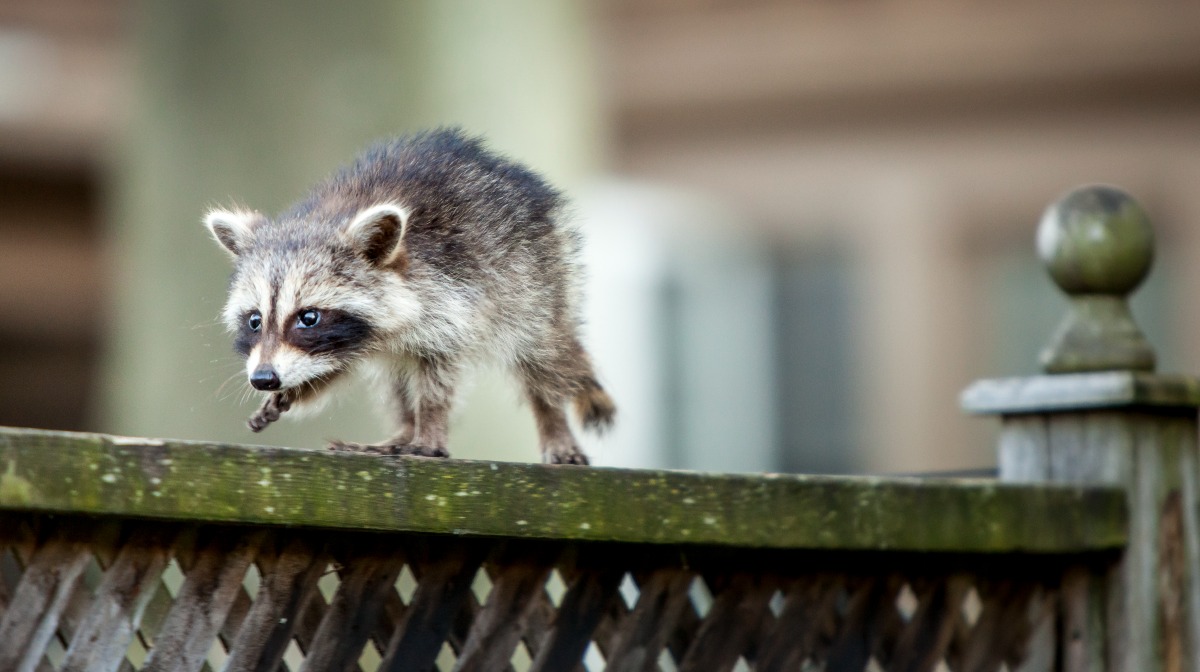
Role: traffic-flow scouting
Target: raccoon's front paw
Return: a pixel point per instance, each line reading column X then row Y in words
column 275, row 405
column 565, row 455
column 389, row 448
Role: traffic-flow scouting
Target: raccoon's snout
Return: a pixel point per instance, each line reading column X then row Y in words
column 265, row 378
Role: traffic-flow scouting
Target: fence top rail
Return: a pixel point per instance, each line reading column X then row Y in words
column 98, row 474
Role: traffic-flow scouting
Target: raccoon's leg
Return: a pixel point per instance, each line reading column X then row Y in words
column 549, row 388
column 551, row 382
column 275, row 405
column 433, row 387
column 423, row 410
column 405, row 411
column 278, row 403
column 557, row 442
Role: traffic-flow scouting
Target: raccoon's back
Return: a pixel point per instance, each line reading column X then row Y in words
column 466, row 204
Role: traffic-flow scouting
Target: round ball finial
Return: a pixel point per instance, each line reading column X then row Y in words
column 1096, row 240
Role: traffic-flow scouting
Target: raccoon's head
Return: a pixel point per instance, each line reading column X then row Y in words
column 308, row 298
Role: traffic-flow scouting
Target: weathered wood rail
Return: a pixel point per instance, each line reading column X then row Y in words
column 771, row 569
column 138, row 554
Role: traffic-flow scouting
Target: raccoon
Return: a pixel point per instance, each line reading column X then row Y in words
column 428, row 253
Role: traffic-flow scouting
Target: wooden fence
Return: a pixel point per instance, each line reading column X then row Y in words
column 138, row 554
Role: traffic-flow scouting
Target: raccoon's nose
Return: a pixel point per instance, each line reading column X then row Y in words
column 264, row 378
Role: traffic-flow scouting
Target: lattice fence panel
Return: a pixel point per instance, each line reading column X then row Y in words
column 88, row 595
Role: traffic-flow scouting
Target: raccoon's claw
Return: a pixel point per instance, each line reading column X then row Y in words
column 571, row 455
column 275, row 405
column 388, row 449
column 420, row 451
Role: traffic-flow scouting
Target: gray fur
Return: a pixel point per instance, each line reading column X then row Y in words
column 424, row 255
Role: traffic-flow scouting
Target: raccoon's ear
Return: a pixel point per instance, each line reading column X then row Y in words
column 377, row 233
column 233, row 229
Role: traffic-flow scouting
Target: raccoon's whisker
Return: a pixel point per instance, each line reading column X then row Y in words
column 245, row 396
column 232, row 377
column 207, row 324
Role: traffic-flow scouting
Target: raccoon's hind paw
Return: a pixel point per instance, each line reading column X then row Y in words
column 275, row 405
column 388, row 449
column 567, row 455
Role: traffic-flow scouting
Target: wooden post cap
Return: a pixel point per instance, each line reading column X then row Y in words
column 1097, row 244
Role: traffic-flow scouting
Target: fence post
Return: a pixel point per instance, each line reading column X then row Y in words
column 1100, row 415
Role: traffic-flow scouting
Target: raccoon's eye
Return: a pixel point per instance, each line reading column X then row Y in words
column 255, row 321
column 308, row 318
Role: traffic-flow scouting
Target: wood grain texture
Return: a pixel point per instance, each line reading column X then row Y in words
column 1001, row 631
column 444, row 572
column 808, row 613
column 643, row 633
column 116, row 610
column 288, row 583
column 837, row 613
column 1136, row 431
column 858, row 635
column 199, row 610
column 1024, row 449
column 275, row 486
column 504, row 617
column 567, row 637
column 731, row 623
column 38, row 602
column 1083, row 640
column 925, row 640
column 354, row 611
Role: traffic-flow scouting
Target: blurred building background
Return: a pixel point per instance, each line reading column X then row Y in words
column 810, row 223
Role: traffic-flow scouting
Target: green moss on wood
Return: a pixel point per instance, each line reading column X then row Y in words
column 98, row 474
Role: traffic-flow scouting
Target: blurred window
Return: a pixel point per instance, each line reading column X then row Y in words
column 814, row 349
column 758, row 351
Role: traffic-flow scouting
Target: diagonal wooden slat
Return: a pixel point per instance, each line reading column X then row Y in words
column 644, row 632
column 827, row 619
column 808, row 612
column 923, row 643
column 539, row 619
column 289, row 581
column 203, row 602
column 103, row 541
column 684, row 631
column 871, row 603
column 464, row 620
column 1002, row 619
column 577, row 617
column 312, row 612
column 43, row 593
column 18, row 541
column 238, row 609
column 354, row 611
column 443, row 589
column 611, row 620
column 161, row 601
column 116, row 610
column 390, row 617
column 498, row 626
column 1037, row 651
column 731, row 622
